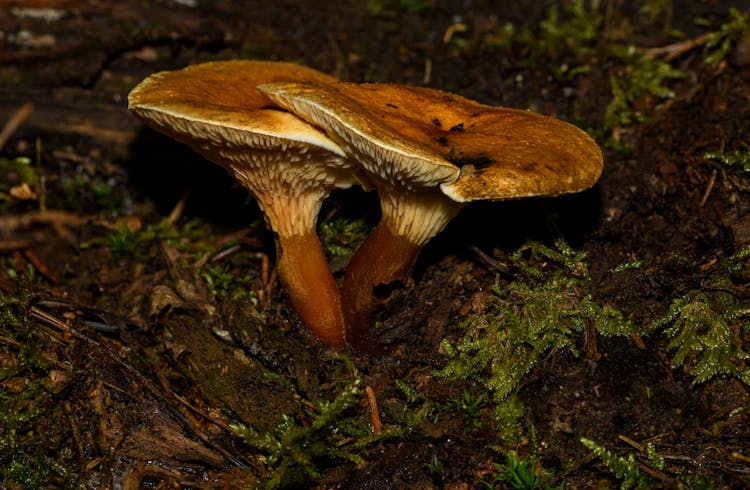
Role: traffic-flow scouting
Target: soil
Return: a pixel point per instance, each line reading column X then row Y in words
column 145, row 367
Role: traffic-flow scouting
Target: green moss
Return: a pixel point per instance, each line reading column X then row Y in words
column 738, row 264
column 707, row 329
column 625, row 469
column 720, row 42
column 21, row 166
column 26, row 461
column 124, row 243
column 223, row 282
column 87, row 196
column 142, row 244
column 544, row 308
column 341, row 236
column 296, row 450
column 705, row 332
column 377, row 7
column 576, row 31
column 640, row 76
column 736, row 158
column 571, row 39
column 655, row 8
column 626, row 266
column 654, row 458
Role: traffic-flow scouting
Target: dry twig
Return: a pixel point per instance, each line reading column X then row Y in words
column 15, row 121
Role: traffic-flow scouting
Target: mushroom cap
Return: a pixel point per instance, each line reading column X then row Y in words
column 216, row 109
column 217, row 104
column 424, row 137
column 391, row 144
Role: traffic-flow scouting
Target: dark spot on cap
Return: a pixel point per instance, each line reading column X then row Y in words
column 531, row 167
column 392, row 105
column 443, row 141
column 458, row 128
column 436, row 122
column 479, row 163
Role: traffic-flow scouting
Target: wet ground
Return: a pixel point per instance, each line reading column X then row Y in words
column 142, row 323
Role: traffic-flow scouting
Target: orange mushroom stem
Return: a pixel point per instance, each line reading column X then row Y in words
column 313, row 292
column 409, row 220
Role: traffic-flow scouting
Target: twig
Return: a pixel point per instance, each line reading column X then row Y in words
column 645, row 466
column 222, row 254
column 41, row 189
column 15, row 121
column 737, row 456
column 9, row 245
column 13, row 222
column 672, row 51
column 503, row 269
column 709, row 187
column 39, row 265
column 374, row 416
column 74, row 431
column 637, row 445
column 178, row 209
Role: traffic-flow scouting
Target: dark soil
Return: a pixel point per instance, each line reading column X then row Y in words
column 122, row 368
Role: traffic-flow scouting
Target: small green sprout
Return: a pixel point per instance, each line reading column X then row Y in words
column 412, row 395
column 469, row 407
column 518, row 475
column 435, row 467
column 654, row 8
column 22, row 166
column 124, row 243
column 28, row 273
column 140, row 243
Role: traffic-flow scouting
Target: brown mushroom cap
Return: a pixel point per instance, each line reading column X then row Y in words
column 412, row 141
column 216, row 109
column 409, row 137
column 288, row 165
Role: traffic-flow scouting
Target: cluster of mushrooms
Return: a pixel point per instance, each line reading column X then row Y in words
column 291, row 134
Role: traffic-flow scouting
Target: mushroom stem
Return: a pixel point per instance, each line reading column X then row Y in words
column 383, row 259
column 313, row 292
column 300, row 259
column 387, row 256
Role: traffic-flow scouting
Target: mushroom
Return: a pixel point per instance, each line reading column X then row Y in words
column 427, row 153
column 287, row 164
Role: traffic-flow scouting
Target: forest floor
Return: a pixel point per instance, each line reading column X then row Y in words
column 586, row 341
